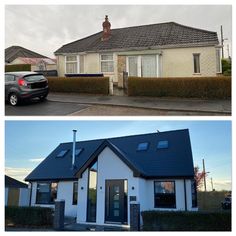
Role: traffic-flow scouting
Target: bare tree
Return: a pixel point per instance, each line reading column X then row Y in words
column 199, row 177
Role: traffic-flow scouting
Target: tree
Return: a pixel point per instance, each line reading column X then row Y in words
column 199, row 177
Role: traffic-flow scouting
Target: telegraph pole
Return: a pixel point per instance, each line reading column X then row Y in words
column 222, row 40
column 212, row 185
column 228, row 50
column 204, row 171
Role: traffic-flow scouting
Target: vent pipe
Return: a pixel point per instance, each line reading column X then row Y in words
column 73, row 150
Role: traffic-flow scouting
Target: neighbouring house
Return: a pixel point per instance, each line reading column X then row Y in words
column 16, row 192
column 99, row 179
column 19, row 55
column 156, row 50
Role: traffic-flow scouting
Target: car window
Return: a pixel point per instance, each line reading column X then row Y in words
column 34, row 78
column 9, row 78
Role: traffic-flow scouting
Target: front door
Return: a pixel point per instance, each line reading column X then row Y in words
column 116, row 201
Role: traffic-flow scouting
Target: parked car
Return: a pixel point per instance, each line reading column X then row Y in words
column 25, row 85
column 226, row 204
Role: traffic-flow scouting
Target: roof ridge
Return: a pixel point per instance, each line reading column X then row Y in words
column 126, row 136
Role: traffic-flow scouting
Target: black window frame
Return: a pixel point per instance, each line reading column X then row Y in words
column 173, row 206
column 50, row 198
column 196, row 63
column 162, row 146
column 139, row 149
column 75, row 193
column 64, row 152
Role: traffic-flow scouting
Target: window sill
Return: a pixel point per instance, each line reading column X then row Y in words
column 197, row 74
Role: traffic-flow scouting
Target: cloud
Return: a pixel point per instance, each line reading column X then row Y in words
column 17, row 173
column 36, row 159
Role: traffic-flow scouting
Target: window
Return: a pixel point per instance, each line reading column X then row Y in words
column 62, row 153
column 75, row 193
column 194, row 193
column 162, row 144
column 71, row 65
column 148, row 66
column 218, row 61
column 196, row 63
column 164, row 194
column 142, row 147
column 143, row 65
column 107, row 63
column 46, row 193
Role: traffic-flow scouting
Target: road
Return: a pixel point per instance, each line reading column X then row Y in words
column 50, row 108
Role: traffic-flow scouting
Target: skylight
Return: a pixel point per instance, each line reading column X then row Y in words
column 62, row 153
column 162, row 144
column 78, row 151
column 142, row 146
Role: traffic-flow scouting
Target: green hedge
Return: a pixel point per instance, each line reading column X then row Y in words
column 186, row 221
column 189, row 87
column 18, row 67
column 94, row 85
column 28, row 216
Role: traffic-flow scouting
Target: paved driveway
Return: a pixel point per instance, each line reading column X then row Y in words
column 46, row 108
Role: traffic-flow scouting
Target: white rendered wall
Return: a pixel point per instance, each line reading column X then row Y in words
column 82, row 198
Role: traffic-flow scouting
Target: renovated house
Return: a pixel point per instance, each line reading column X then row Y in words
column 157, row 50
column 99, row 179
column 19, row 55
column 16, row 192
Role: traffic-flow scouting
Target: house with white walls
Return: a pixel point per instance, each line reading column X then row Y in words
column 99, row 179
column 158, row 50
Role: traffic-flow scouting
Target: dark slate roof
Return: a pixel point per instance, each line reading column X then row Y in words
column 164, row 35
column 175, row 161
column 13, row 52
column 13, row 183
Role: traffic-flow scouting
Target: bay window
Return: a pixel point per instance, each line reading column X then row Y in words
column 164, row 194
column 107, row 63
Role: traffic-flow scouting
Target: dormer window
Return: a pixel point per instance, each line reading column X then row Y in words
column 142, row 146
column 62, row 153
column 162, row 144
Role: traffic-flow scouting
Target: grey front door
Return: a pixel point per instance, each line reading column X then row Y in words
column 116, row 201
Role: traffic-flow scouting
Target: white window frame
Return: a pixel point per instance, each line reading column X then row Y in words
column 139, row 64
column 107, row 61
column 77, row 61
column 199, row 58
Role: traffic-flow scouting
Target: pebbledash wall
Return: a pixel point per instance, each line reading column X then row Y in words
column 174, row 62
column 111, row 167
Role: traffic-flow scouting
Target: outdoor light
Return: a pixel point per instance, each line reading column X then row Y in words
column 82, row 188
column 132, row 187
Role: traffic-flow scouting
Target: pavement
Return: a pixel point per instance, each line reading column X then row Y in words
column 221, row 107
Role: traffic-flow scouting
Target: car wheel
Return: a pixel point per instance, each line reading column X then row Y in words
column 13, row 99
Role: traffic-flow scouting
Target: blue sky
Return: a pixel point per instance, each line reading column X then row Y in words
column 28, row 142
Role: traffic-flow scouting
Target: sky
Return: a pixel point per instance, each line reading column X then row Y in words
column 45, row 28
column 27, row 143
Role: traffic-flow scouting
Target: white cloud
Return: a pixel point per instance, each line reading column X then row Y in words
column 36, row 159
column 17, row 173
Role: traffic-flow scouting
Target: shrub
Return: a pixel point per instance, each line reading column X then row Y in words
column 190, row 87
column 29, row 216
column 18, row 67
column 94, row 85
column 226, row 67
column 186, row 221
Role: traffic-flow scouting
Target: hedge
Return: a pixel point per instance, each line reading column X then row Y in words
column 186, row 221
column 94, row 85
column 28, row 216
column 182, row 87
column 18, row 67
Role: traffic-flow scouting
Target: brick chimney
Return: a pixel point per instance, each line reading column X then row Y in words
column 106, row 29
